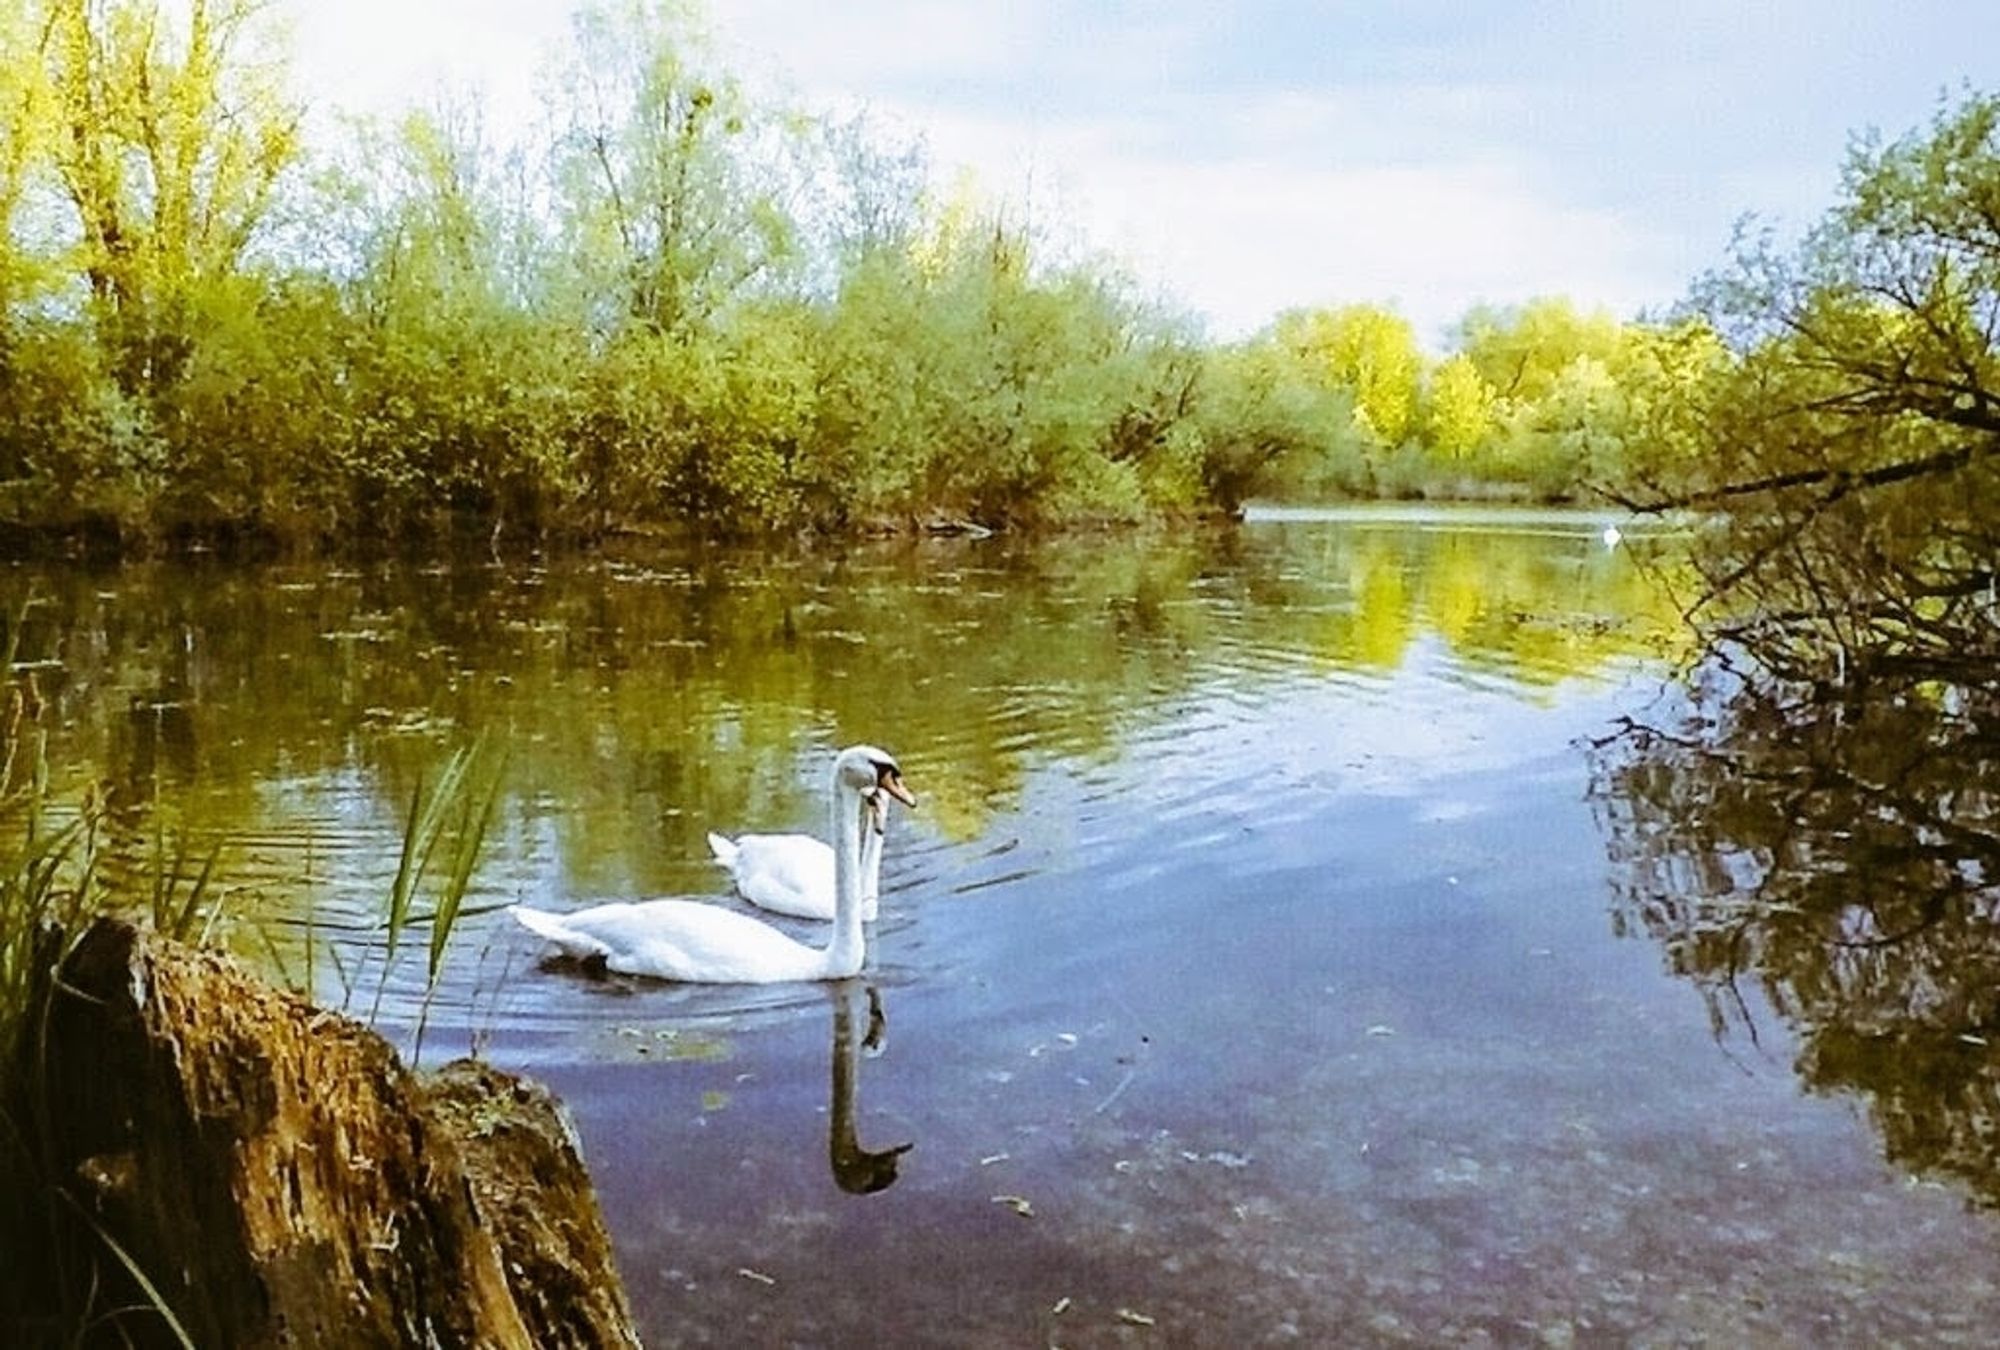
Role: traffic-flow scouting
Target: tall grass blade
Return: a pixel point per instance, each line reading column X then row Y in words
column 146, row 1286
column 475, row 821
column 428, row 821
column 184, row 918
column 471, row 839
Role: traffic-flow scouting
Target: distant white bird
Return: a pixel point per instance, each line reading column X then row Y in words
column 1612, row 535
column 793, row 873
column 702, row 943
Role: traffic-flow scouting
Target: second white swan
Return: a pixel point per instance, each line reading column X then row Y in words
column 692, row 941
column 793, row 873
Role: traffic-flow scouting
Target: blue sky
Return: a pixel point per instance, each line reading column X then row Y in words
column 1246, row 156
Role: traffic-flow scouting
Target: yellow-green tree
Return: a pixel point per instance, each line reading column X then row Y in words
column 671, row 206
column 1271, row 425
column 1535, row 399
column 1368, row 350
column 1850, row 449
column 25, row 108
column 1459, row 409
column 1522, row 350
column 1670, row 374
column 172, row 129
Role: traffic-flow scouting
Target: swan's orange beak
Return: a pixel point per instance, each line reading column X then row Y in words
column 891, row 782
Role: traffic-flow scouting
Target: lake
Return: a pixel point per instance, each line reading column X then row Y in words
column 1274, row 954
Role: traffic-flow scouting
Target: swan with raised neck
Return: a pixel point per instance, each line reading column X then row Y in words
column 696, row 942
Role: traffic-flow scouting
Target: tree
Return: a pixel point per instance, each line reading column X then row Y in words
column 1370, row 352
column 1269, row 420
column 1851, row 447
column 170, row 140
column 1669, row 376
column 1573, row 432
column 26, row 110
column 1522, row 351
column 445, row 388
column 667, row 213
column 1459, row 409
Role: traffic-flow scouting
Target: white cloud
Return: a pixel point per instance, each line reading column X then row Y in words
column 1242, row 236
column 1243, row 241
column 853, row 47
column 1238, row 200
column 378, row 56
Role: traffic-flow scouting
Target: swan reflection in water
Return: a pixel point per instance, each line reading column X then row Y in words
column 856, row 1170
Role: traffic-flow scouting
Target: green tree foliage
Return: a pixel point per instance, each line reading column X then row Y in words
column 1821, row 823
column 1272, row 424
column 680, row 308
column 1850, row 448
column 1523, row 352
column 968, row 375
column 1550, row 393
column 1370, row 352
column 1459, row 412
column 674, row 306
column 26, row 111
column 169, row 140
column 1534, row 401
column 152, row 141
column 664, row 172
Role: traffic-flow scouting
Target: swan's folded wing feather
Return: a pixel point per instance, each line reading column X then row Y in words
column 682, row 940
column 787, row 874
column 557, row 929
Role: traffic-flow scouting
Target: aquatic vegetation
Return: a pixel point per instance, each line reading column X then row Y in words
column 456, row 811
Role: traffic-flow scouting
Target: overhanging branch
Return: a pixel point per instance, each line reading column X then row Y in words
column 1839, row 482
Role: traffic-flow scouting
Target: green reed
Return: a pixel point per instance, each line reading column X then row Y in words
column 447, row 824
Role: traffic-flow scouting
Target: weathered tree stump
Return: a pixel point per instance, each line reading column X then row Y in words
column 284, row 1180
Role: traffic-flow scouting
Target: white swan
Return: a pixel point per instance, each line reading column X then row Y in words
column 793, row 873
column 702, row 943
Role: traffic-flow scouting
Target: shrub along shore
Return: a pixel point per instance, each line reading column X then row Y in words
column 671, row 306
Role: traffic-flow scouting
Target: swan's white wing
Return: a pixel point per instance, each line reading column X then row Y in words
column 785, row 873
column 554, row 928
column 679, row 940
column 793, row 874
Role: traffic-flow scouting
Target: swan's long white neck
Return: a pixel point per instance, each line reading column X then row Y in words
column 846, row 951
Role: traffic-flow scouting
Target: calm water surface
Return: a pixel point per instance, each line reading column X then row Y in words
column 1252, row 972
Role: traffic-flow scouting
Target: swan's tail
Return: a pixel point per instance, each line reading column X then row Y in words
column 723, row 849
column 552, row 928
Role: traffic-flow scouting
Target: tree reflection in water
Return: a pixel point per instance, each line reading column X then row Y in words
column 1838, row 853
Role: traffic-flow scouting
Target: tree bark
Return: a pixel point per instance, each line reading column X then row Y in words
column 284, row 1180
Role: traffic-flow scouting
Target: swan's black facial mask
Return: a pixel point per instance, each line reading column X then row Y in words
column 889, row 779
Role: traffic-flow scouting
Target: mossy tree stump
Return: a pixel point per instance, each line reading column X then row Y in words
column 284, row 1180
